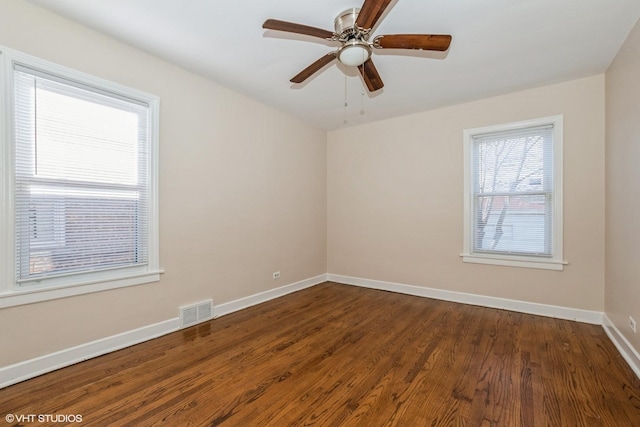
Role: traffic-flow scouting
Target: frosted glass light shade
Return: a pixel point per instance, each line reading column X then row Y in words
column 354, row 54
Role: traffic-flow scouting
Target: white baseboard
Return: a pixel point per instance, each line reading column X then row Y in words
column 31, row 368
column 21, row 371
column 625, row 348
column 628, row 352
column 585, row 316
column 239, row 304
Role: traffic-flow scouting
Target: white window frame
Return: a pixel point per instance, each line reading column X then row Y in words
column 556, row 261
column 11, row 293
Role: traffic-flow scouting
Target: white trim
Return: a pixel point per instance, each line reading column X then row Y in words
column 30, row 296
column 48, row 67
column 242, row 303
column 630, row 355
column 11, row 293
column 626, row 350
column 543, row 264
column 567, row 313
column 555, row 263
column 21, row 371
column 6, row 180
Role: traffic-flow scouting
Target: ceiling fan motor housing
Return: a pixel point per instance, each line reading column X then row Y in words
column 355, row 49
column 345, row 24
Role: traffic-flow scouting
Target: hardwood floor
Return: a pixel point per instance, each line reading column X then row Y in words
column 336, row 355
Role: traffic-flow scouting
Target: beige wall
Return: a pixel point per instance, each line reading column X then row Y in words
column 395, row 198
column 242, row 193
column 622, row 289
column 246, row 190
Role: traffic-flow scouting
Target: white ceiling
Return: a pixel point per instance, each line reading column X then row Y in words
column 498, row 46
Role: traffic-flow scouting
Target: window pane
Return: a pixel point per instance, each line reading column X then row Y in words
column 512, row 197
column 81, row 178
column 511, row 165
column 72, row 230
column 82, row 140
column 512, row 224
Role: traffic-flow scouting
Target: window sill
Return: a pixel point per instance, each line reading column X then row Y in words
column 523, row 262
column 30, row 296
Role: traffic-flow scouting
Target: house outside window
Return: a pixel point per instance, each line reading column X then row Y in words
column 513, row 194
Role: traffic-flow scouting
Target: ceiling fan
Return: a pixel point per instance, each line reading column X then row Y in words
column 353, row 30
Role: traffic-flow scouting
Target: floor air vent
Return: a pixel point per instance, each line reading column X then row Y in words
column 196, row 313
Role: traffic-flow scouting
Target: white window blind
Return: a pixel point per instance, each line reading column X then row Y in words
column 81, row 191
column 512, row 209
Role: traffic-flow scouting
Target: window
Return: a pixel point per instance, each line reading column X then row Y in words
column 513, row 194
column 81, row 180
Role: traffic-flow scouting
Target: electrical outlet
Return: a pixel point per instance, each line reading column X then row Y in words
column 632, row 324
column 276, row 275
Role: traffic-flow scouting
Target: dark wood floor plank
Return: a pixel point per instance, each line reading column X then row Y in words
column 335, row 355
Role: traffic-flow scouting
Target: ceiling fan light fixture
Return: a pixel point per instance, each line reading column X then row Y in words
column 354, row 53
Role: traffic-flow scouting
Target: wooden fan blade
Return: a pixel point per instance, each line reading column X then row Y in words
column 370, row 12
column 313, row 68
column 290, row 27
column 438, row 42
column 370, row 75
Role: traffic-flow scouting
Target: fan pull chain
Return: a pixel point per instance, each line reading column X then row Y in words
column 345, row 91
column 364, row 59
column 346, row 103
